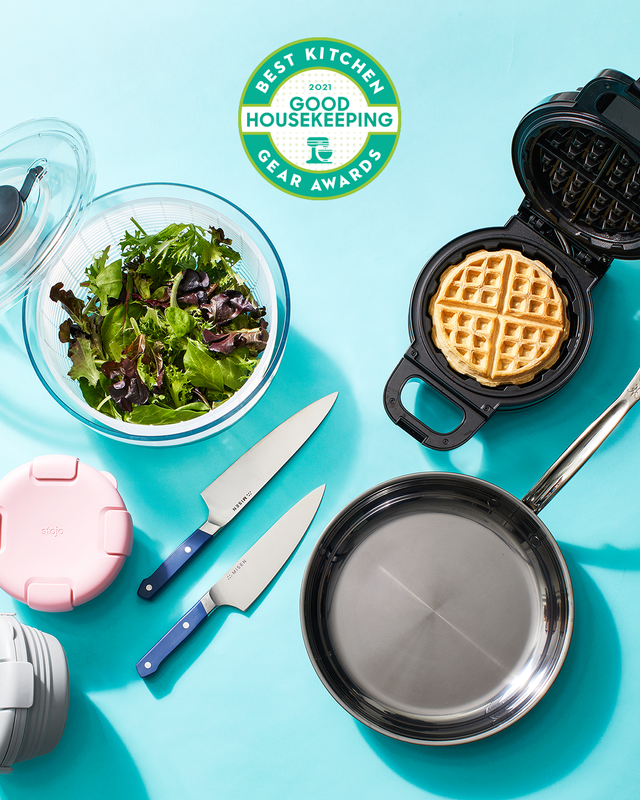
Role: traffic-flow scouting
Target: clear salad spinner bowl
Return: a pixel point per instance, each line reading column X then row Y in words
column 50, row 230
column 154, row 206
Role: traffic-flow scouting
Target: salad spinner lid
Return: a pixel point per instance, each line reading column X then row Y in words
column 47, row 178
column 577, row 158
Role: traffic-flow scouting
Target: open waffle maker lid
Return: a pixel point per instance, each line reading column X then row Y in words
column 577, row 158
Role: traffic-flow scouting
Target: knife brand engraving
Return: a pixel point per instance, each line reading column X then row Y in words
column 53, row 530
column 252, row 470
column 265, row 559
column 236, row 569
column 242, row 501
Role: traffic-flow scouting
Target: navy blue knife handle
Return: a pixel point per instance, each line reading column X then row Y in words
column 150, row 586
column 150, row 662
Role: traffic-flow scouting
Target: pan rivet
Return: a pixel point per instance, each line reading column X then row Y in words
column 493, row 502
column 534, row 541
column 185, row 624
column 445, row 441
column 148, row 587
column 187, row 549
column 147, row 665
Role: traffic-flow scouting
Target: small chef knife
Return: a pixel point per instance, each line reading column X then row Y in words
column 232, row 490
column 245, row 582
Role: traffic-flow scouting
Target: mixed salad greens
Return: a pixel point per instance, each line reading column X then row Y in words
column 168, row 330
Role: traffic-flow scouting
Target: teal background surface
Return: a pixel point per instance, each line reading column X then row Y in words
column 239, row 712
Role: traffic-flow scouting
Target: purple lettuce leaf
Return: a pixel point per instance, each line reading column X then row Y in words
column 226, row 306
column 227, row 342
column 129, row 388
column 193, row 287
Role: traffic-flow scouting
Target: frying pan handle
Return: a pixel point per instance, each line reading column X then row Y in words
column 582, row 449
column 472, row 420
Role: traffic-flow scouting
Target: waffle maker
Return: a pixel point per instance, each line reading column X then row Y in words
column 577, row 158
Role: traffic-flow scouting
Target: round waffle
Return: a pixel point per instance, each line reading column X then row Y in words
column 499, row 317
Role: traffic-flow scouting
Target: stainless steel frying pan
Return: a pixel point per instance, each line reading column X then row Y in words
column 437, row 608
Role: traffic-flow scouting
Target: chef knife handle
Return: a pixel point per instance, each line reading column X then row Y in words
column 150, row 586
column 150, row 662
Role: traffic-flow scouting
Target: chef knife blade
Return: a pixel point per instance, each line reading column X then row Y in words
column 245, row 582
column 232, row 490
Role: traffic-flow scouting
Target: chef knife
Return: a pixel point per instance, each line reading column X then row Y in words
column 232, row 490
column 245, row 582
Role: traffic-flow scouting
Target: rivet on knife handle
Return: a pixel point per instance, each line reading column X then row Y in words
column 150, row 586
column 150, row 662
column 244, row 582
column 231, row 491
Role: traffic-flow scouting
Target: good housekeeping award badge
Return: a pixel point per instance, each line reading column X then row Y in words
column 319, row 118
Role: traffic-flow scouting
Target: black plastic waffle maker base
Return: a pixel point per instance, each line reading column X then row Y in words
column 577, row 158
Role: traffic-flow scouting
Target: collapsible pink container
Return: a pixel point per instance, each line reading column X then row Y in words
column 64, row 533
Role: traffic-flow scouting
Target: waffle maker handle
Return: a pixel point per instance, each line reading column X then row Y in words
column 472, row 420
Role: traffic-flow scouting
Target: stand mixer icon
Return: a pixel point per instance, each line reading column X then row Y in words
column 318, row 155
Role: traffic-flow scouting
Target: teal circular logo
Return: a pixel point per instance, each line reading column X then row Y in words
column 319, row 118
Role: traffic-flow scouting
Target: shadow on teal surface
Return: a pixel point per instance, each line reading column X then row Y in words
column 607, row 557
column 161, row 683
column 430, row 407
column 30, row 416
column 20, row 391
column 122, row 627
column 90, row 761
column 305, row 375
column 101, row 637
column 551, row 741
column 163, row 486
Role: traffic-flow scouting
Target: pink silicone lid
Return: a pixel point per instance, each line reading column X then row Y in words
column 64, row 533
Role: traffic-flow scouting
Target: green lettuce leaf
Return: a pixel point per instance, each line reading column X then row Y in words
column 105, row 279
column 95, row 397
column 178, row 385
column 201, row 369
column 117, row 331
column 180, row 321
column 236, row 368
column 84, row 365
column 174, row 279
column 112, row 333
column 158, row 415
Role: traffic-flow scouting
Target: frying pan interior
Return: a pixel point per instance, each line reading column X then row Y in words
column 437, row 608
